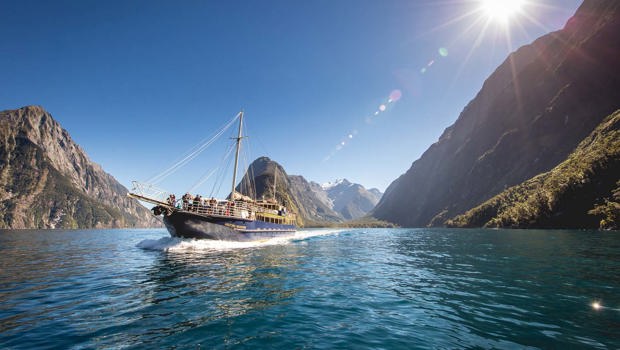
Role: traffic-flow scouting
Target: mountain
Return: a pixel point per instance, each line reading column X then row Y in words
column 581, row 192
column 316, row 205
column 47, row 180
column 375, row 192
column 350, row 200
column 293, row 191
column 530, row 114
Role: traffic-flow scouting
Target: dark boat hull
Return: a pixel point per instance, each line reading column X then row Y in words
column 189, row 225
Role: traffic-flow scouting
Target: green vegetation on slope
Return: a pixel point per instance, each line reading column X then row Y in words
column 581, row 192
column 366, row 222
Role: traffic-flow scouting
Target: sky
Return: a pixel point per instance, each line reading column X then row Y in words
column 331, row 89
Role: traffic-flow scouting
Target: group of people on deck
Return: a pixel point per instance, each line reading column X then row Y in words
column 188, row 200
column 200, row 204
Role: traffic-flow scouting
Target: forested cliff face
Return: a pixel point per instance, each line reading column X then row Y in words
column 530, row 114
column 48, row 181
column 581, row 192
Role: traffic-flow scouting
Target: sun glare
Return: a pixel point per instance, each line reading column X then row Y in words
column 501, row 10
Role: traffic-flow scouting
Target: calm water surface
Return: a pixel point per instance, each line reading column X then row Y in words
column 354, row 289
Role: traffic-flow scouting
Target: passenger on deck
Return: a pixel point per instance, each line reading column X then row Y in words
column 229, row 208
column 186, row 198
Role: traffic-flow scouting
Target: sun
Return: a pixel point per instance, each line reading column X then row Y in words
column 501, row 10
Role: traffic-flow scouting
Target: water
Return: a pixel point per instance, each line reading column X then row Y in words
column 325, row 289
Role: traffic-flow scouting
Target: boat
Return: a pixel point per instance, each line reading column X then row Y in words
column 236, row 218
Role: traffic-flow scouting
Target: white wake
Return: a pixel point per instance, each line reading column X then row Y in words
column 170, row 244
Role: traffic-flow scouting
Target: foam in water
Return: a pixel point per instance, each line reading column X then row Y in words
column 174, row 244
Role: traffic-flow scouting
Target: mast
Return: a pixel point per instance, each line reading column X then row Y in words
column 238, row 138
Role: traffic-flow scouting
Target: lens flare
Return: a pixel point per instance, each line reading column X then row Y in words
column 395, row 95
column 443, row 52
column 347, row 139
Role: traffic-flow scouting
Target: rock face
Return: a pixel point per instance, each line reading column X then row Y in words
column 351, row 201
column 581, row 192
column 314, row 204
column 530, row 114
column 47, row 180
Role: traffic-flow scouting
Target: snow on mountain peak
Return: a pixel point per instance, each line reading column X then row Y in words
column 329, row 185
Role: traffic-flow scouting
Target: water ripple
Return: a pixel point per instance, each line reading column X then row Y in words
column 335, row 289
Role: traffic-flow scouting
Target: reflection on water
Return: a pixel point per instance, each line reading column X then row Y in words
column 323, row 289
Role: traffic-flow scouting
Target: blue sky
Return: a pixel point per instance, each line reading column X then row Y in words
column 138, row 83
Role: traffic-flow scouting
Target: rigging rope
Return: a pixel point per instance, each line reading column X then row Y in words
column 193, row 154
column 205, row 178
column 219, row 180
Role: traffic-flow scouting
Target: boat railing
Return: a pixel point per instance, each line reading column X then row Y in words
column 236, row 209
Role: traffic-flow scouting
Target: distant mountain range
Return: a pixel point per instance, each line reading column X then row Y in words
column 47, row 180
column 315, row 204
column 350, row 200
column 540, row 109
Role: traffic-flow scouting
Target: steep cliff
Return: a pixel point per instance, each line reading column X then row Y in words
column 581, row 192
column 47, row 180
column 530, row 114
